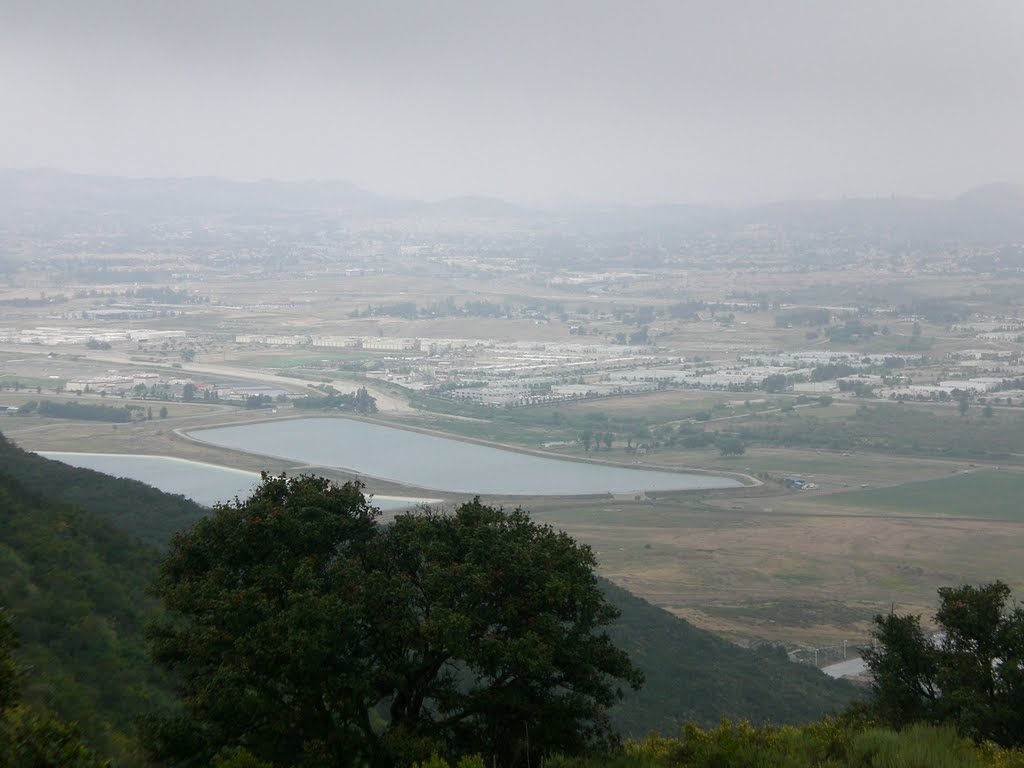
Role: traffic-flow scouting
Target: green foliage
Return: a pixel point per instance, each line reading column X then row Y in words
column 359, row 401
column 8, row 669
column 920, row 746
column 238, row 758
column 775, row 383
column 132, row 506
column 851, row 331
column 78, row 588
column 827, row 744
column 829, row 371
column 973, row 678
column 693, row 675
column 293, row 616
column 730, row 446
column 76, row 410
column 165, row 295
column 27, row 739
column 981, row 493
column 890, row 428
column 469, row 761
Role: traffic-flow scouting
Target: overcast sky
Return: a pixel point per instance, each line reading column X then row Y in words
column 537, row 102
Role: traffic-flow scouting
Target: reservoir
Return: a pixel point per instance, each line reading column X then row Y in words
column 440, row 463
column 205, row 484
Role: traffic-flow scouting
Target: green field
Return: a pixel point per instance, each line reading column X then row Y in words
column 991, row 495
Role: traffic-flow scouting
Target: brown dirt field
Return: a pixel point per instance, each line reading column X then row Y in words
column 720, row 570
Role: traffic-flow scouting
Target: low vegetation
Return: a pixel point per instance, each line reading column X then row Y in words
column 75, row 410
column 827, row 744
column 986, row 494
column 890, row 429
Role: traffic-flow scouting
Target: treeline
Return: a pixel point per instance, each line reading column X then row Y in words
column 851, row 330
column 832, row 371
column 410, row 310
column 359, row 401
column 166, row 295
column 75, row 410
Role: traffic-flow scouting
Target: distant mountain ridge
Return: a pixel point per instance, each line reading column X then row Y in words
column 47, row 189
column 992, row 212
column 50, row 190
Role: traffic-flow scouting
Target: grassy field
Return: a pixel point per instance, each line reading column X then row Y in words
column 793, row 578
column 983, row 494
column 882, row 427
column 667, row 406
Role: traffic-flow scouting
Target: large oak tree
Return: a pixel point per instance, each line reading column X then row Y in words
column 306, row 632
column 970, row 674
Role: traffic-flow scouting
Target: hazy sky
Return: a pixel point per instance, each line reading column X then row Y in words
column 588, row 101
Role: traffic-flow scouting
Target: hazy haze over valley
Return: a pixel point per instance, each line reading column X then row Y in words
column 728, row 294
column 534, row 102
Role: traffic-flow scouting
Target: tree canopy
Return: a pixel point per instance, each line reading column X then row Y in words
column 971, row 674
column 77, row 589
column 26, row 738
column 307, row 633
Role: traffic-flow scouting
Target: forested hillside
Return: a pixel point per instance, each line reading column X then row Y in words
column 78, row 552
column 132, row 506
column 693, row 675
column 76, row 588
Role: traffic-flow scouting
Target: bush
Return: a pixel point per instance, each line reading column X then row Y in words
column 827, row 744
column 920, row 746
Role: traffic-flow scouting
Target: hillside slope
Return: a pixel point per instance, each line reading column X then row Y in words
column 694, row 675
column 77, row 589
column 134, row 507
column 75, row 575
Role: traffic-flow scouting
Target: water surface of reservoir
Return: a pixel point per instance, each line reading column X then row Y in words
column 205, row 484
column 440, row 463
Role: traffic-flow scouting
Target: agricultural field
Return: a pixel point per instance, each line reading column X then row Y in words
column 982, row 494
column 788, row 577
column 935, row 430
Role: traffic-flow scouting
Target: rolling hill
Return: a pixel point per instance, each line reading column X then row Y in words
column 79, row 549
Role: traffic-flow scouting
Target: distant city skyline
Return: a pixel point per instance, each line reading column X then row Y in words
column 535, row 103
